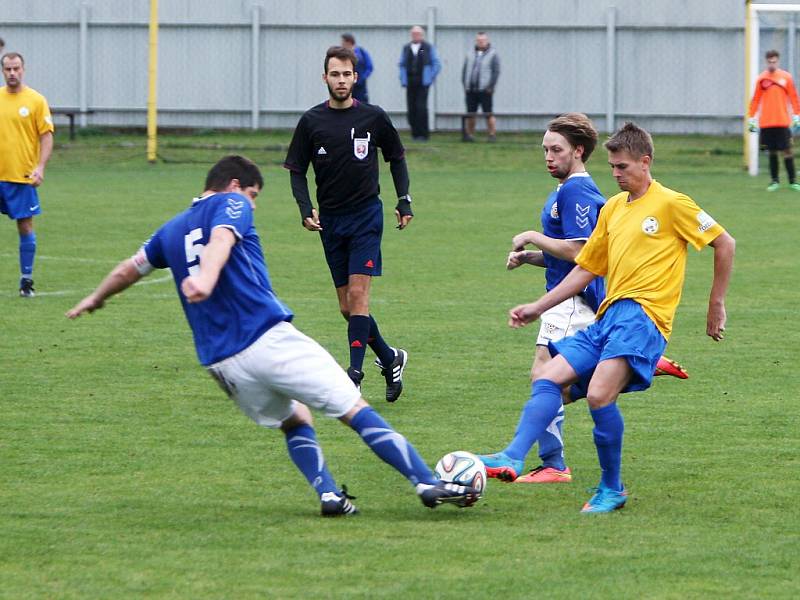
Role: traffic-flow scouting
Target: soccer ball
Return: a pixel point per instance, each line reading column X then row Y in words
column 463, row 468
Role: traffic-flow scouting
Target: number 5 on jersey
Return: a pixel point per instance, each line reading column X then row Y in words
column 193, row 251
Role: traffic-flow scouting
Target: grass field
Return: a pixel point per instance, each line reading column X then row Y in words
column 126, row 473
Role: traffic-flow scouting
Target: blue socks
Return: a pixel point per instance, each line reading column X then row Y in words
column 609, row 428
column 551, row 443
column 307, row 456
column 390, row 446
column 537, row 414
column 357, row 333
column 27, row 252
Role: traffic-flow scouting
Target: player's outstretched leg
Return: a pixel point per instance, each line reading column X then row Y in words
column 538, row 413
column 551, row 452
column 394, row 449
column 667, row 366
column 305, row 452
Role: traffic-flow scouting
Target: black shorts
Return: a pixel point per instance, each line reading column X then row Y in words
column 776, row 138
column 482, row 99
column 352, row 242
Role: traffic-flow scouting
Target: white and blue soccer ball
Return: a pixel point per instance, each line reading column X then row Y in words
column 463, row 468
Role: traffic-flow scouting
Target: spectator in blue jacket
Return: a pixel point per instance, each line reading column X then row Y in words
column 363, row 67
column 419, row 66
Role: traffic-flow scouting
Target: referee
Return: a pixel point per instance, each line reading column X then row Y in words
column 340, row 138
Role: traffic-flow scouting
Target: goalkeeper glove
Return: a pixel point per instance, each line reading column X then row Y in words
column 752, row 125
column 795, row 123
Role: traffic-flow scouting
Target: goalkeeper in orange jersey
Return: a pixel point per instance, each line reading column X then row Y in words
column 774, row 91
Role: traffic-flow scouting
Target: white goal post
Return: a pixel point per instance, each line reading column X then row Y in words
column 752, row 66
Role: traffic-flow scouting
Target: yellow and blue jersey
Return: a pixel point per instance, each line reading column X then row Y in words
column 24, row 118
column 641, row 246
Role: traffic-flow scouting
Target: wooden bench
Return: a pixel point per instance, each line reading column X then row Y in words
column 70, row 113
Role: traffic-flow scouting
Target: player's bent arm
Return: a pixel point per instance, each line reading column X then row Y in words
column 574, row 283
column 563, row 249
column 724, row 249
column 523, row 257
column 45, row 150
column 124, row 275
column 215, row 255
column 535, row 258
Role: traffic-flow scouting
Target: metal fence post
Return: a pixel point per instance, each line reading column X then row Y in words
column 431, row 27
column 83, row 64
column 255, row 67
column 611, row 67
column 791, row 32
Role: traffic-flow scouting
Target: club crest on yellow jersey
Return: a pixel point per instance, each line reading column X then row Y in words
column 650, row 225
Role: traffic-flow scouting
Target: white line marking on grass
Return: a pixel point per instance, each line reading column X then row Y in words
column 84, row 291
column 79, row 259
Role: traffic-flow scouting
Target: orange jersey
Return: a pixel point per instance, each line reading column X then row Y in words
column 773, row 92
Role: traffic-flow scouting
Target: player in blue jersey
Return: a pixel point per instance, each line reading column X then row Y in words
column 244, row 336
column 568, row 219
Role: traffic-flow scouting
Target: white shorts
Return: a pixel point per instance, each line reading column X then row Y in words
column 565, row 319
column 282, row 367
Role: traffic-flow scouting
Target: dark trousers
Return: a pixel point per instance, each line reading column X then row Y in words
column 417, row 101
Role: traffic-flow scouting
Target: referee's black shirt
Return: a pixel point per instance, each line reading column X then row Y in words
column 342, row 146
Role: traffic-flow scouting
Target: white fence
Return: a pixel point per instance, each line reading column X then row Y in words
column 673, row 65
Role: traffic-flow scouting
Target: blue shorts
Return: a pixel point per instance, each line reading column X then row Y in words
column 18, row 200
column 352, row 242
column 623, row 331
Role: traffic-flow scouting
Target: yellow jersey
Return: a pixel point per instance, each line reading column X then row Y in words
column 640, row 248
column 24, row 118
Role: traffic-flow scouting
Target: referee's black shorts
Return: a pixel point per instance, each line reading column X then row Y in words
column 776, row 138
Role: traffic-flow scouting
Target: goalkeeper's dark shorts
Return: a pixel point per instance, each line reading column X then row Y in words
column 776, row 138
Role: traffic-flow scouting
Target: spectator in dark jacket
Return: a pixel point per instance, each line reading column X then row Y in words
column 419, row 66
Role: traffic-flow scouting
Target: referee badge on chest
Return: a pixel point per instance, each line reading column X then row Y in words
column 360, row 146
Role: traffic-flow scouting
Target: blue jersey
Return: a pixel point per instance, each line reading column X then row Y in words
column 570, row 213
column 243, row 305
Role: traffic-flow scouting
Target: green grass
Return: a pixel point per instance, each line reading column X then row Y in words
column 126, row 473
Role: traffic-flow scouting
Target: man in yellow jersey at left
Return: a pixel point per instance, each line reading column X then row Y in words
column 639, row 245
column 26, row 142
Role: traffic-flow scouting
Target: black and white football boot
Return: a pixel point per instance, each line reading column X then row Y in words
column 337, row 505
column 444, row 492
column 394, row 374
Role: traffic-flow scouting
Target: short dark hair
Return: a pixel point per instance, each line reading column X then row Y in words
column 2, row 43
column 632, row 139
column 578, row 130
column 233, row 167
column 341, row 53
column 349, row 38
column 772, row 54
column 11, row 55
